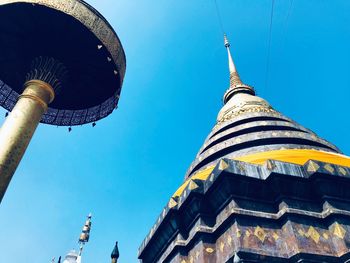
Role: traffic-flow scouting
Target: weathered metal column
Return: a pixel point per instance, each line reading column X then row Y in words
column 19, row 127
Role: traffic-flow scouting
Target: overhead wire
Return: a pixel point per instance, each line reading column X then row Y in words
column 286, row 24
column 219, row 16
column 269, row 37
column 269, row 45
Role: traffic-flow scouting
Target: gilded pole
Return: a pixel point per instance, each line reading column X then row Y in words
column 19, row 127
column 44, row 79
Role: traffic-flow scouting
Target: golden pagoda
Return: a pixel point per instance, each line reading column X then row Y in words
column 262, row 188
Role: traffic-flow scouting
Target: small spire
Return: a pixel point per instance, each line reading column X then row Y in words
column 115, row 253
column 85, row 233
column 84, row 236
column 236, row 85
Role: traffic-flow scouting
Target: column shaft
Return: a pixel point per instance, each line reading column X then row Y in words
column 19, row 127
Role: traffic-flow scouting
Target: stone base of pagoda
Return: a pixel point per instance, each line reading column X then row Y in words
column 278, row 212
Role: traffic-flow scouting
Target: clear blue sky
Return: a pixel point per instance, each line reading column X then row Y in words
column 125, row 169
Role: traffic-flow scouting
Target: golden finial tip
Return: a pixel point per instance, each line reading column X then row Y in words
column 227, row 43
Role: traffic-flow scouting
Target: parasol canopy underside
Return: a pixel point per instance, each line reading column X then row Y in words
column 80, row 39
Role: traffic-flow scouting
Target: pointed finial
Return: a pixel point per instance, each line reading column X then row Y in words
column 231, row 64
column 115, row 253
column 236, row 85
column 227, row 43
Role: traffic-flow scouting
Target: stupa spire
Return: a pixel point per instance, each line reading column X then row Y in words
column 115, row 253
column 236, row 85
column 231, row 64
